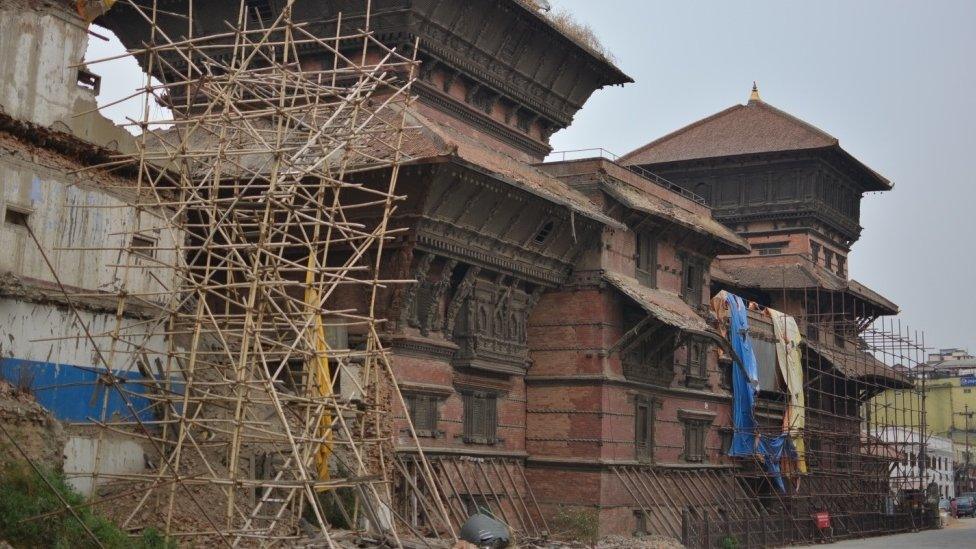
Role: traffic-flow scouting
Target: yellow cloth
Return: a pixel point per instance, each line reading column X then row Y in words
column 323, row 376
column 788, row 357
column 89, row 10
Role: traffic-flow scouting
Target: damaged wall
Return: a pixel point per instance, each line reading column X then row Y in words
column 41, row 45
column 98, row 245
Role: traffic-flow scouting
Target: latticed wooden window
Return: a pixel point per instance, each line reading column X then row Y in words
column 480, row 417
column 695, row 433
column 697, row 363
column 423, row 413
column 644, row 429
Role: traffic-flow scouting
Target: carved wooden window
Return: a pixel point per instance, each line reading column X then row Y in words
column 725, row 436
column 696, row 431
column 647, row 259
column 480, row 417
column 651, row 360
column 770, row 248
column 697, row 364
column 693, row 279
column 840, row 336
column 841, row 265
column 542, row 235
column 643, row 429
column 828, row 259
column 815, row 252
column 423, row 413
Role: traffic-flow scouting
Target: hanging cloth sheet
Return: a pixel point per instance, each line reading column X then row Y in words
column 788, row 357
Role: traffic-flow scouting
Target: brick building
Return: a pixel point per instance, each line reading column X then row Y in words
column 794, row 194
column 557, row 354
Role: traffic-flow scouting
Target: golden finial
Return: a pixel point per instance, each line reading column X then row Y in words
column 754, row 96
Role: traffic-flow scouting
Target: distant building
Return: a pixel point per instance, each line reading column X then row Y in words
column 950, row 412
column 934, row 462
column 949, row 363
column 947, row 355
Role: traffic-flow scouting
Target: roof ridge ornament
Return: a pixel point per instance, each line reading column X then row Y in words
column 754, row 96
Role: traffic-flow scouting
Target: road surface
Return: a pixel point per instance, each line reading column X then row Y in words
column 961, row 533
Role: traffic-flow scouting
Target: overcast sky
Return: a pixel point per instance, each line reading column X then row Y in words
column 894, row 80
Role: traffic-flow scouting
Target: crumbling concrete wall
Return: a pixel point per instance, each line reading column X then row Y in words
column 42, row 42
column 82, row 223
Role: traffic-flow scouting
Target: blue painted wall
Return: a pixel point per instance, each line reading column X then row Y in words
column 72, row 394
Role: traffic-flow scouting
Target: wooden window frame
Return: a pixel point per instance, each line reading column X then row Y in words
column 696, row 434
column 692, row 286
column 726, row 435
column 645, row 258
column 650, row 359
column 696, row 425
column 483, row 430
column 725, row 366
column 146, row 248
column 640, row 523
column 644, row 438
column 424, row 411
column 696, row 365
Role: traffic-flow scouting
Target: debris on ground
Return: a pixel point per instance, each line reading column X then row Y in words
column 34, row 429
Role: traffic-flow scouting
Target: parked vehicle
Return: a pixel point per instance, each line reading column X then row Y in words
column 965, row 506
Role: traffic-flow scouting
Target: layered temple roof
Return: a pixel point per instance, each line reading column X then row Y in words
column 754, row 128
column 498, row 65
column 799, row 275
column 424, row 141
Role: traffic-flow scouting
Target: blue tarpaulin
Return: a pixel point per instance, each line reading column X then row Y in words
column 772, row 450
column 745, row 380
column 745, row 385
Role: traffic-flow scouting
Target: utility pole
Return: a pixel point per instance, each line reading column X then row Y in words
column 968, row 414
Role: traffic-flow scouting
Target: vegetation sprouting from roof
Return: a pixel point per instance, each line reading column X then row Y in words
column 564, row 20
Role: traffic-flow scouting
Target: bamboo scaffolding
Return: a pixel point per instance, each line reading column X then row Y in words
column 261, row 229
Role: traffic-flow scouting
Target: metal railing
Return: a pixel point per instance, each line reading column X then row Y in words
column 599, row 152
